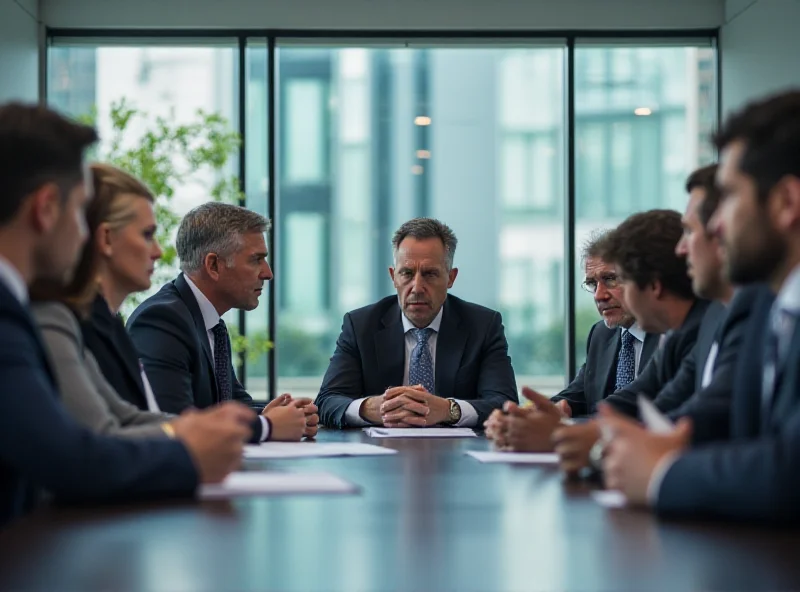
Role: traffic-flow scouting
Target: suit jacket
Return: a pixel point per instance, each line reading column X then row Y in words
column 755, row 475
column 105, row 336
column 171, row 338
column 709, row 407
column 43, row 448
column 472, row 362
column 595, row 379
column 85, row 392
column 665, row 364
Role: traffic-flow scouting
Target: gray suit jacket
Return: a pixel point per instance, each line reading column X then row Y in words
column 85, row 392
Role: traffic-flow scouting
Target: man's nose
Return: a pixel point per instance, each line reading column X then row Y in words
column 266, row 272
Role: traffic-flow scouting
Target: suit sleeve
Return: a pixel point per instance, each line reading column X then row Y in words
column 678, row 390
column 343, row 382
column 575, row 393
column 745, row 479
column 496, row 383
column 41, row 441
column 86, row 394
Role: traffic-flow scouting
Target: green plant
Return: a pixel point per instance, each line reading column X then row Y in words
column 166, row 156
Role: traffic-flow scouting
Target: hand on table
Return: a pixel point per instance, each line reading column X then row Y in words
column 632, row 453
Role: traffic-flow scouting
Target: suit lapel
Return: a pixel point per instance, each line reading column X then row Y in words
column 186, row 294
column 390, row 347
column 787, row 383
column 450, row 344
column 649, row 347
column 107, row 325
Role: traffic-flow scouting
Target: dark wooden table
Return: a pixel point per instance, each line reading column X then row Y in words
column 429, row 518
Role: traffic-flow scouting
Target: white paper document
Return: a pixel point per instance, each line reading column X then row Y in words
column 254, row 483
column 521, row 458
column 419, row 432
column 610, row 498
column 271, row 450
column 656, row 422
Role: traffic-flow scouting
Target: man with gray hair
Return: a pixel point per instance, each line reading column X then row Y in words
column 423, row 357
column 179, row 332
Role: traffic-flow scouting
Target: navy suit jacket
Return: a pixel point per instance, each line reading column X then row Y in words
column 709, row 407
column 472, row 362
column 171, row 338
column 43, row 448
column 105, row 336
column 595, row 379
column 755, row 475
column 665, row 364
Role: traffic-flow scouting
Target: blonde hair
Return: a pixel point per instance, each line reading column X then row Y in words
column 115, row 193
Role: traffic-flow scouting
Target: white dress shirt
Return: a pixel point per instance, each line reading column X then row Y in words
column 14, row 281
column 210, row 320
column 788, row 299
column 708, row 369
column 469, row 417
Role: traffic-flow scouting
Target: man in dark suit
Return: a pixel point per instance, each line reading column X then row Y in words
column 642, row 249
column 179, row 331
column 42, row 229
column 601, row 374
column 755, row 475
column 423, row 357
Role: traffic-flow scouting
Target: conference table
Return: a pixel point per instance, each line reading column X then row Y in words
column 427, row 518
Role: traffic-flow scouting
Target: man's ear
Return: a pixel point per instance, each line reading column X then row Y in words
column 452, row 277
column 658, row 288
column 786, row 203
column 46, row 207
column 391, row 273
column 211, row 264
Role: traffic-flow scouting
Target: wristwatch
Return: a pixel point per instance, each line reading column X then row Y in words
column 455, row 413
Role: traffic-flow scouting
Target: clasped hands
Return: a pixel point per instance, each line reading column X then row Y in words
column 292, row 418
column 526, row 429
column 405, row 407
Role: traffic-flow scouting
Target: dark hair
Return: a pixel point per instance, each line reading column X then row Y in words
column 770, row 130
column 114, row 194
column 705, row 178
column 422, row 228
column 643, row 246
column 38, row 146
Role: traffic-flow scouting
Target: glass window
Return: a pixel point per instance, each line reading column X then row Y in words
column 647, row 128
column 490, row 148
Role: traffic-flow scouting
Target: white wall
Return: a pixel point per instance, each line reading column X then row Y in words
column 386, row 14
column 760, row 48
column 19, row 50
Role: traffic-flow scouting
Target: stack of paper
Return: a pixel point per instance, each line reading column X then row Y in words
column 524, row 458
column 252, row 483
column 313, row 449
column 610, row 498
column 419, row 432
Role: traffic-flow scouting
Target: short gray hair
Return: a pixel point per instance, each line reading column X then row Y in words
column 422, row 228
column 593, row 246
column 215, row 227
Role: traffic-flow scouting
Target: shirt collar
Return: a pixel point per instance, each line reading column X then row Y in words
column 435, row 323
column 789, row 296
column 13, row 280
column 636, row 331
column 210, row 314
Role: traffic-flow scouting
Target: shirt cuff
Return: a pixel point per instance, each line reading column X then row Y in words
column 657, row 477
column 266, row 428
column 352, row 417
column 469, row 417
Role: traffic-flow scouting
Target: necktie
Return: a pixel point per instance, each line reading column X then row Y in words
column 222, row 361
column 782, row 325
column 626, row 363
column 420, row 368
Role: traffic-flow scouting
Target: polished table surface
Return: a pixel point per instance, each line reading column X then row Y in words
column 428, row 518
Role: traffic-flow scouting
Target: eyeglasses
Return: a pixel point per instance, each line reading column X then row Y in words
column 609, row 281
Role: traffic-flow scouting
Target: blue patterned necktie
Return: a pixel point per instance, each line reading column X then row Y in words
column 222, row 361
column 420, row 368
column 626, row 363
